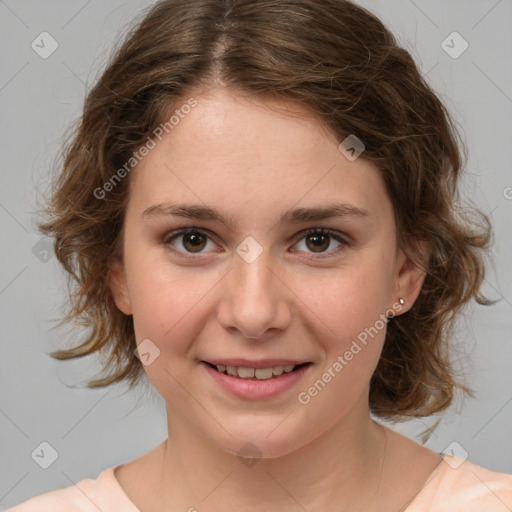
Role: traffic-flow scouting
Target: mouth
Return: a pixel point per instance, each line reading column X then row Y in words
column 255, row 380
column 256, row 372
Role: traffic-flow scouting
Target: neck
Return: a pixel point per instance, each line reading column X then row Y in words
column 341, row 466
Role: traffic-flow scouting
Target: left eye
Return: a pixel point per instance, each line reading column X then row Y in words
column 318, row 240
column 193, row 241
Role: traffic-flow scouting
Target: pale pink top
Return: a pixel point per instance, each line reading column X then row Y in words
column 455, row 485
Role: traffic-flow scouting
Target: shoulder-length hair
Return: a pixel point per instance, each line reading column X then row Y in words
column 341, row 62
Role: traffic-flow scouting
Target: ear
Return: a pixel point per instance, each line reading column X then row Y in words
column 118, row 286
column 410, row 276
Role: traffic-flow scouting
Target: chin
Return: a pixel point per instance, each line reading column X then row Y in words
column 270, row 440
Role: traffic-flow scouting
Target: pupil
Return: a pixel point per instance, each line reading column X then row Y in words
column 194, row 240
column 322, row 239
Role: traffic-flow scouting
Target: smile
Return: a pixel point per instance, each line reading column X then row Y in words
column 251, row 380
column 244, row 372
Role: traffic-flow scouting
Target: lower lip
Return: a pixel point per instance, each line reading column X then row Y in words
column 253, row 388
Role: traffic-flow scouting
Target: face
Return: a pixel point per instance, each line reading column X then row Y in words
column 252, row 243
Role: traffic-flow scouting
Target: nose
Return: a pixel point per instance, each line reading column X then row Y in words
column 255, row 301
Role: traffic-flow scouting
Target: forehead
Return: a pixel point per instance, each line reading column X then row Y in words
column 248, row 153
column 230, row 126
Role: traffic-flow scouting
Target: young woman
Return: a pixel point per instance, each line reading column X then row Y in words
column 270, row 188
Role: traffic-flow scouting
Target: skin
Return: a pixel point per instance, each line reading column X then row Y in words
column 254, row 159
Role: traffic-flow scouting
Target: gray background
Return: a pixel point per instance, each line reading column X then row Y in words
column 45, row 400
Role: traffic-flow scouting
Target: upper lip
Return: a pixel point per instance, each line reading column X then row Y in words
column 262, row 363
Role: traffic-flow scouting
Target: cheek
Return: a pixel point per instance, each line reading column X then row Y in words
column 169, row 307
column 346, row 313
column 345, row 302
column 348, row 320
column 171, row 314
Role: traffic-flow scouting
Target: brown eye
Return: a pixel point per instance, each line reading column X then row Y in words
column 318, row 243
column 187, row 241
column 194, row 242
column 321, row 241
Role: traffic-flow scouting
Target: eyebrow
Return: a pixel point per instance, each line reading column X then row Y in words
column 294, row 216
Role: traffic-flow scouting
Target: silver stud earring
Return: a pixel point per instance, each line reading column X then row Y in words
column 402, row 302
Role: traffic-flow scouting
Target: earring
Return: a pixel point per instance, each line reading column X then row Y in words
column 402, row 302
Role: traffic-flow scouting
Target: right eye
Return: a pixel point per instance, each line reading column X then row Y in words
column 191, row 240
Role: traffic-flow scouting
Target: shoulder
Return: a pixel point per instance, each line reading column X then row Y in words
column 458, row 483
column 88, row 495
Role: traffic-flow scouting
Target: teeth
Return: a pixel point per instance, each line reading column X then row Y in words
column 258, row 373
column 247, row 373
column 261, row 373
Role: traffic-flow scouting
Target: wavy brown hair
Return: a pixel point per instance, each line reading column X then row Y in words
column 341, row 62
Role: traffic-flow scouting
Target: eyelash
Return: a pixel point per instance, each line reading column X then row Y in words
column 169, row 237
